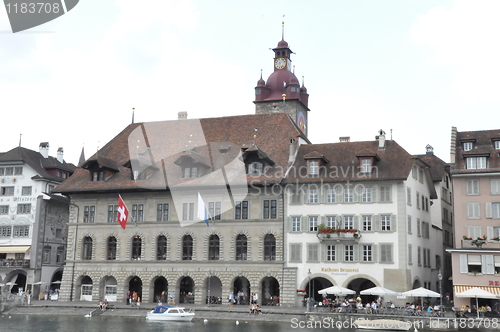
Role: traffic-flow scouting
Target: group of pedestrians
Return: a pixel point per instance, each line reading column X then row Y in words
column 133, row 299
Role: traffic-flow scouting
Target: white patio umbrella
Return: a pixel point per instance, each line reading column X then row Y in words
column 337, row 290
column 421, row 292
column 380, row 291
column 477, row 293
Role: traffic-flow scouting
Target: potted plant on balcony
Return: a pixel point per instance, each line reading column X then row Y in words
column 478, row 242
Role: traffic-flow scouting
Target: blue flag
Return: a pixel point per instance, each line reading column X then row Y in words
column 202, row 210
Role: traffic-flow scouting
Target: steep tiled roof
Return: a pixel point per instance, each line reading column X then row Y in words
column 483, row 145
column 219, row 140
column 437, row 166
column 36, row 161
column 394, row 164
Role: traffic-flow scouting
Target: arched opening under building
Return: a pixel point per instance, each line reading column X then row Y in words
column 19, row 283
column 241, row 286
column 56, row 280
column 314, row 285
column 416, row 284
column 214, row 285
column 270, row 291
column 360, row 284
column 186, row 290
column 110, row 288
column 135, row 285
column 160, row 290
column 86, row 289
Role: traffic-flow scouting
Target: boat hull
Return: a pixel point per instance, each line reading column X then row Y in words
column 185, row 317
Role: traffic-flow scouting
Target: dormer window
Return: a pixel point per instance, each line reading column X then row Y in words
column 314, row 168
column 190, row 172
column 468, row 146
column 98, row 175
column 497, row 145
column 366, row 165
column 476, row 162
column 255, row 168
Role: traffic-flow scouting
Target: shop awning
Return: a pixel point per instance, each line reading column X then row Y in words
column 13, row 249
column 463, row 288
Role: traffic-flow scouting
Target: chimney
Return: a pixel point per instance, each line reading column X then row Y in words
column 44, row 149
column 182, row 115
column 293, row 149
column 429, row 151
column 453, row 145
column 60, row 154
column 344, row 139
column 381, row 140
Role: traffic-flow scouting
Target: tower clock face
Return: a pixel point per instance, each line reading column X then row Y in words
column 301, row 122
column 280, row 63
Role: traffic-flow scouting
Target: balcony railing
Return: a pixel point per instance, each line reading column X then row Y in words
column 15, row 263
column 327, row 234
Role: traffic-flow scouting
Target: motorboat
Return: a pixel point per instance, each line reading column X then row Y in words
column 383, row 324
column 169, row 313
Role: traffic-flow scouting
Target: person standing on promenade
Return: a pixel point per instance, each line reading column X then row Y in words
column 128, row 298
column 171, row 298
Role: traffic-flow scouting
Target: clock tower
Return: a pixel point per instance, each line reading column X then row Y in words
column 282, row 91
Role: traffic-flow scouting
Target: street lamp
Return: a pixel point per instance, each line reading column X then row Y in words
column 440, row 278
column 208, row 292
column 309, row 293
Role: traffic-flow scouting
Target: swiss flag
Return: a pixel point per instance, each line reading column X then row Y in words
column 122, row 212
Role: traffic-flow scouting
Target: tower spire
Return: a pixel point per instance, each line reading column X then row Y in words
column 133, row 113
column 283, row 28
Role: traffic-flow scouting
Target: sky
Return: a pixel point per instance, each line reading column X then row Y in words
column 413, row 68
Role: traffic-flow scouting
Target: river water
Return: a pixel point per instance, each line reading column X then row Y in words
column 39, row 323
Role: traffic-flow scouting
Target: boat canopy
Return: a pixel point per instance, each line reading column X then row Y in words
column 161, row 309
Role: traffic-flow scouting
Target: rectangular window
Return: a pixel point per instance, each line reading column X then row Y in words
column 7, row 191
column 23, row 208
column 312, row 252
column 474, row 231
column 112, row 213
column 270, row 209
column 255, row 168
column 330, row 195
column 467, row 146
column 497, row 145
column 9, row 171
column 348, row 195
column 2, row 171
column 366, row 195
column 385, row 222
column 88, row 213
column 313, row 168
column 162, row 212
column 214, row 210
column 473, row 210
column 187, row 211
column 366, row 165
column 475, row 162
column 349, row 253
column 4, row 209
column 330, row 253
column 241, row 210
column 331, row 222
column 295, row 252
column 348, row 222
column 472, row 187
column 18, row 171
column 495, row 210
column 5, row 231
column 138, row 212
column 474, row 264
column 26, row 191
column 409, row 224
column 313, row 196
column 46, row 255
column 367, row 253
column 59, row 255
column 21, row 231
column 495, row 186
column 408, row 196
column 385, row 194
column 386, row 253
column 421, row 176
column 313, row 224
column 419, row 230
column 296, row 224
column 367, row 223
column 410, row 254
